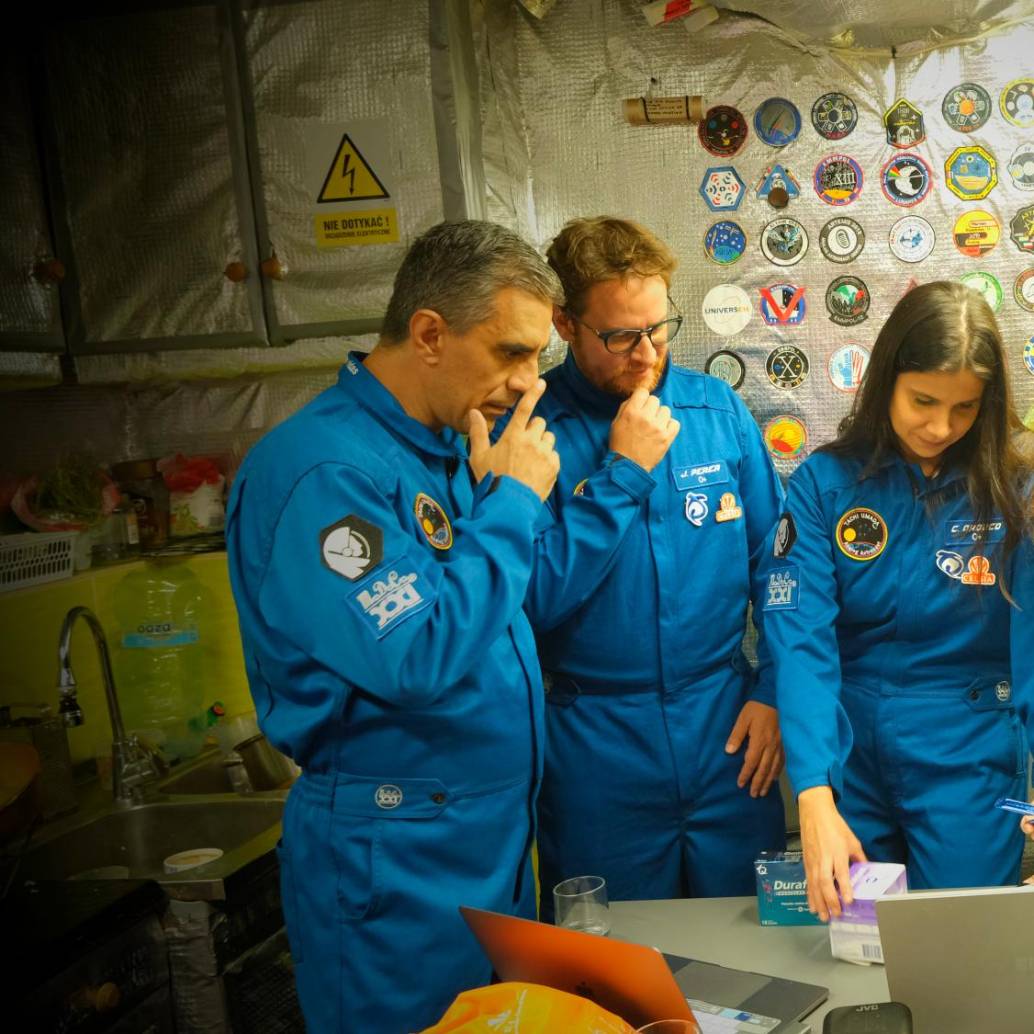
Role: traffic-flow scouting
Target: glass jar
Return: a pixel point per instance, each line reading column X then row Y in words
column 117, row 537
column 142, row 484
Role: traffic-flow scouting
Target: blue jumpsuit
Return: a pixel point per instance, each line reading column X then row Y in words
column 903, row 675
column 379, row 594
column 644, row 670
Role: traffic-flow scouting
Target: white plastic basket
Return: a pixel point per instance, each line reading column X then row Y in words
column 35, row 558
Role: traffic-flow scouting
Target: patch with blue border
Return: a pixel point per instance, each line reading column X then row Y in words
column 714, row 472
column 783, row 589
column 390, row 600
column 967, row 532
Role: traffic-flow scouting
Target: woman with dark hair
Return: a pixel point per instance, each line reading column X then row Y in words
column 899, row 609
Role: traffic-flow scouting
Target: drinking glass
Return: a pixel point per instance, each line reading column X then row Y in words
column 580, row 903
column 669, row 1027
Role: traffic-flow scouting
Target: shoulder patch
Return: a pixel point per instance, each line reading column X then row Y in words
column 433, row 521
column 389, row 601
column 861, row 534
column 783, row 589
column 785, row 536
column 351, row 547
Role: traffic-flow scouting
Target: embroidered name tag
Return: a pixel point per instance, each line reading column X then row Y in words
column 713, row 473
column 966, row 532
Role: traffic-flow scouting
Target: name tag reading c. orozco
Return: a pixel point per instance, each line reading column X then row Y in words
column 968, row 531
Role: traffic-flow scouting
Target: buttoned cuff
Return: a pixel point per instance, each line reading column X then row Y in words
column 627, row 474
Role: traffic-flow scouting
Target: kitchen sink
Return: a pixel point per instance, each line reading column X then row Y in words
column 133, row 842
column 204, row 774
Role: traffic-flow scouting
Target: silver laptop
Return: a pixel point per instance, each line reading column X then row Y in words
column 962, row 960
column 735, row 1001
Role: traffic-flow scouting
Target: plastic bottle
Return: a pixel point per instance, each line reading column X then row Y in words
column 162, row 612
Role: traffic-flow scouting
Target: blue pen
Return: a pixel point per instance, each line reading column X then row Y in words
column 1008, row 804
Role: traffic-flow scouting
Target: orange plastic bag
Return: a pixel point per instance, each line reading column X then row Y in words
column 516, row 1008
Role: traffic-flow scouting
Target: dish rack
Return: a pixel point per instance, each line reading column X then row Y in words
column 35, row 558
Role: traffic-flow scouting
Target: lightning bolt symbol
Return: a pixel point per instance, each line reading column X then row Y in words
column 349, row 173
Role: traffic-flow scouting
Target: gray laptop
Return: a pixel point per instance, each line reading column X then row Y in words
column 640, row 983
column 734, row 1001
column 962, row 960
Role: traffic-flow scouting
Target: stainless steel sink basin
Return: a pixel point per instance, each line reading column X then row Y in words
column 205, row 774
column 134, row 842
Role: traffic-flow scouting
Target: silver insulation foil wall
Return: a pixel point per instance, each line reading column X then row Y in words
column 556, row 146
column 330, row 64
column 142, row 127
column 881, row 23
column 28, row 308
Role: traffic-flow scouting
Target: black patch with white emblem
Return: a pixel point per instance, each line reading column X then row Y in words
column 785, row 536
column 351, row 547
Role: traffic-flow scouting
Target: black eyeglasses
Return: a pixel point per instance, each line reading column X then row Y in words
column 623, row 340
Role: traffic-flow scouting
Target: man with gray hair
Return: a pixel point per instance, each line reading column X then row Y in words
column 379, row 575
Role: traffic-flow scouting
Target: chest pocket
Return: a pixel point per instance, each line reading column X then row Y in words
column 969, row 548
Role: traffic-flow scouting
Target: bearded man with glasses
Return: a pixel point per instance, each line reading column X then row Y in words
column 662, row 741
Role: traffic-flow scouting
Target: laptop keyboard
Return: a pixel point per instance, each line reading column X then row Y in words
column 717, row 1019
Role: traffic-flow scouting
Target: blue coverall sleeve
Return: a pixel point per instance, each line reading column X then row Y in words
column 763, row 499
column 799, row 607
column 415, row 622
column 1021, row 635
column 577, row 539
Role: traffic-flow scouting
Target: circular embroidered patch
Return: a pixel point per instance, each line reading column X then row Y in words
column 722, row 131
column 966, row 107
column 387, row 796
column 1028, row 355
column 787, row 366
column 1017, row 103
column 726, row 309
column 847, row 299
column 834, row 115
column 1023, row 290
column 1021, row 166
column 785, row 437
column 433, row 521
column 784, row 242
column 838, row 179
column 847, row 367
column 841, row 239
column 976, row 233
column 861, row 534
column 777, row 122
column 971, row 172
column 985, row 284
column 782, row 304
column 725, row 242
column 1021, row 229
column 906, row 180
column 726, row 366
column 911, row 239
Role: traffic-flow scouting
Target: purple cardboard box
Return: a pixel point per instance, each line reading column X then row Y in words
column 855, row 935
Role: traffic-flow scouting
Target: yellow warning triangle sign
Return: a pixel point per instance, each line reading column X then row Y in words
column 350, row 177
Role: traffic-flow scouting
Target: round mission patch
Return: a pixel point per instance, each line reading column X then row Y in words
column 433, row 521
column 861, row 534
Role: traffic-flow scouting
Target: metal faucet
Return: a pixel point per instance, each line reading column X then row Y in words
column 134, row 768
